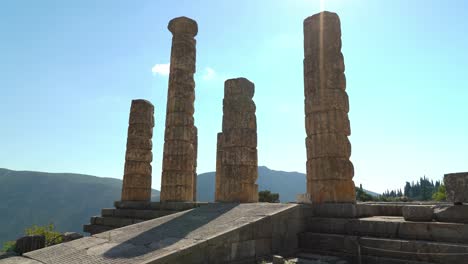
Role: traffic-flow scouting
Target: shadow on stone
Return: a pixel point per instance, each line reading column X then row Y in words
column 161, row 237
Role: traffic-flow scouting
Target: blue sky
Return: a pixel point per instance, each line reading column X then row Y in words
column 69, row 70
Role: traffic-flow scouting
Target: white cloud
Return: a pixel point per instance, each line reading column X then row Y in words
column 209, row 74
column 161, row 69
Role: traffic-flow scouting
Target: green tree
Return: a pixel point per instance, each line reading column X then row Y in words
column 439, row 195
column 362, row 196
column 268, row 197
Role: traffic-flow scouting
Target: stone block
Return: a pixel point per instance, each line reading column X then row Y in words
column 240, row 104
column 140, row 130
column 69, row 236
column 182, row 133
column 328, row 145
column 328, row 122
column 456, row 185
column 330, row 169
column 179, row 119
column 183, row 92
column 179, row 163
column 239, row 87
column 180, row 106
column 139, row 155
column 451, row 214
column 29, row 243
column 137, row 142
column 326, row 100
column 239, row 156
column 179, row 148
column 240, row 173
column 240, row 120
column 137, row 167
column 240, row 137
column 315, row 81
column 331, row 191
column 322, row 32
column 418, row 213
column 338, row 210
column 334, row 62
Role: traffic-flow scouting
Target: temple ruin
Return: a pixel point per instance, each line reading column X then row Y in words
column 333, row 228
column 178, row 169
column 329, row 170
column 137, row 173
column 237, row 164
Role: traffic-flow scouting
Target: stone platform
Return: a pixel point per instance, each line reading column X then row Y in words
column 386, row 239
column 127, row 213
column 214, row 233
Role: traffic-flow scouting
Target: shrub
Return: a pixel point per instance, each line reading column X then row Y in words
column 52, row 237
column 268, row 197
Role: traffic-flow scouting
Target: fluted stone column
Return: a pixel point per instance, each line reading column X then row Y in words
column 137, row 172
column 329, row 170
column 178, row 181
column 237, row 165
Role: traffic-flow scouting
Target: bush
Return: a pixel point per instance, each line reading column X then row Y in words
column 52, row 237
column 268, row 197
column 440, row 195
column 9, row 246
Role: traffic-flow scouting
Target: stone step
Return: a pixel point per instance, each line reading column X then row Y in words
column 332, row 258
column 391, row 227
column 372, row 247
column 134, row 213
column 96, row 229
column 114, row 221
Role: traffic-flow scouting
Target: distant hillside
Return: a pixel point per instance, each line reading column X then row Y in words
column 287, row 184
column 68, row 200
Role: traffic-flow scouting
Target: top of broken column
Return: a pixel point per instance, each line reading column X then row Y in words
column 323, row 19
column 239, row 86
column 183, row 25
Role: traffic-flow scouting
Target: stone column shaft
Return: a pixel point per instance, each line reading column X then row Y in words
column 178, row 179
column 237, row 164
column 329, row 170
column 137, row 173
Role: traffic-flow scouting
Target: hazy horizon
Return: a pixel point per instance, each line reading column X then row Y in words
column 70, row 70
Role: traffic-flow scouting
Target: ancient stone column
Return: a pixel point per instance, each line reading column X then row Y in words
column 237, row 165
column 137, row 172
column 178, row 181
column 329, row 170
column 195, row 149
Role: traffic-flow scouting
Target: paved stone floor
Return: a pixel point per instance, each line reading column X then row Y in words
column 148, row 241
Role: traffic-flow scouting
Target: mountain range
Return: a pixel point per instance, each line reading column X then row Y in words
column 68, row 200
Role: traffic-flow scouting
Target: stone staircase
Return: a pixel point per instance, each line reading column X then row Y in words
column 128, row 213
column 384, row 240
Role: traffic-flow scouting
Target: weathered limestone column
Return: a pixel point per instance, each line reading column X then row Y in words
column 195, row 149
column 237, row 165
column 178, row 181
column 137, row 172
column 219, row 153
column 329, row 170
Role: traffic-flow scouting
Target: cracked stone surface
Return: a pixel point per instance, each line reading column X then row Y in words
column 153, row 240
